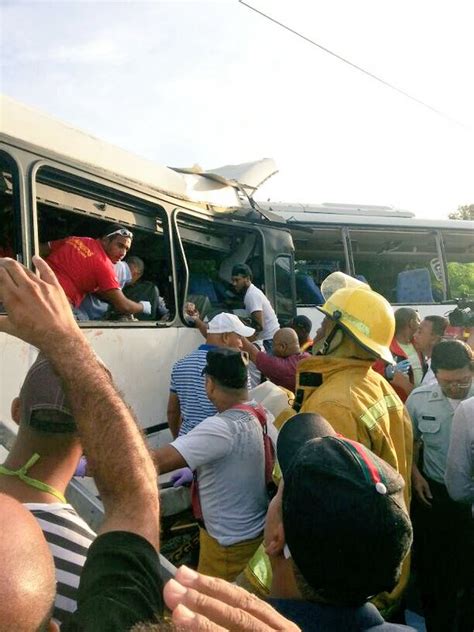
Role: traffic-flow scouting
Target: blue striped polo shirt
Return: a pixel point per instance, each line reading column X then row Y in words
column 189, row 385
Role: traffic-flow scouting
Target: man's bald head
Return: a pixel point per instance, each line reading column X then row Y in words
column 285, row 342
column 27, row 577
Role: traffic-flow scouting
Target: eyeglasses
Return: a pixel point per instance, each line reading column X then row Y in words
column 460, row 384
column 123, row 232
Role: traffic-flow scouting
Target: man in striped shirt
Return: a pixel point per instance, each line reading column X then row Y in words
column 37, row 471
column 188, row 403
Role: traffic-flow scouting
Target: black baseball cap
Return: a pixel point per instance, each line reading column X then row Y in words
column 228, row 367
column 345, row 521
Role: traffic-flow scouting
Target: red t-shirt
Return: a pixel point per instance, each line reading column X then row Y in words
column 81, row 266
column 280, row 371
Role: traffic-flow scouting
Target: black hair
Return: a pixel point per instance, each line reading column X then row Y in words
column 451, row 355
column 438, row 324
column 227, row 367
column 112, row 228
column 137, row 262
column 242, row 269
column 403, row 315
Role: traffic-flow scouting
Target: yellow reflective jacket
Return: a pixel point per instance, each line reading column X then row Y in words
column 361, row 405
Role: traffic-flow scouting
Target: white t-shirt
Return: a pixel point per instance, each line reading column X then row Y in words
column 226, row 451
column 429, row 377
column 454, row 402
column 256, row 301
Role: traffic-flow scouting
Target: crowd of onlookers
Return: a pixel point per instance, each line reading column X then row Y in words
column 331, row 477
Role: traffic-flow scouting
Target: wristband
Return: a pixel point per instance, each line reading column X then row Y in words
column 146, row 307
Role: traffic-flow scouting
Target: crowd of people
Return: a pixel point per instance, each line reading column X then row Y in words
column 327, row 513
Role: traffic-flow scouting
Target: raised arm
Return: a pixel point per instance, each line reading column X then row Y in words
column 39, row 313
column 250, row 348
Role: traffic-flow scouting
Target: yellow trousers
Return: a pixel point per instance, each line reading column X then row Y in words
column 225, row 562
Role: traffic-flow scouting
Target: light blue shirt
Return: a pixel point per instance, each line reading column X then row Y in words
column 432, row 415
column 460, row 466
column 92, row 306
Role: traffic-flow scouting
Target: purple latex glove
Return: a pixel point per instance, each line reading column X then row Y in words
column 181, row 477
column 81, row 467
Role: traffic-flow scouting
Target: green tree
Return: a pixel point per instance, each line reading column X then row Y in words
column 461, row 279
column 463, row 212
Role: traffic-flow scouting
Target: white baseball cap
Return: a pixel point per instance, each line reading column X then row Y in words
column 225, row 323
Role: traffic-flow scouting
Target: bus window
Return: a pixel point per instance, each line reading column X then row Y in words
column 401, row 265
column 10, row 232
column 211, row 250
column 459, row 252
column 68, row 205
column 318, row 253
column 284, row 289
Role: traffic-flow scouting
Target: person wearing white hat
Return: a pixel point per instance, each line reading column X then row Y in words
column 188, row 403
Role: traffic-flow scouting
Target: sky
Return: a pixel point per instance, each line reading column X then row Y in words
column 187, row 82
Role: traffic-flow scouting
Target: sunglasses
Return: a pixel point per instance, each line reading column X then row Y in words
column 123, row 232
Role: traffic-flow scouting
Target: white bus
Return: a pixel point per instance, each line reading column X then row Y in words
column 413, row 262
column 189, row 227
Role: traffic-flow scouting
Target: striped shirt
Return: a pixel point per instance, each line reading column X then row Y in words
column 189, row 385
column 69, row 538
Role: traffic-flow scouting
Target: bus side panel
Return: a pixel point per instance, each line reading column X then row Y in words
column 140, row 360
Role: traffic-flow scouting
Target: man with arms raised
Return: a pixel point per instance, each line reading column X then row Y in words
column 84, row 265
column 279, row 366
column 188, row 403
column 120, row 584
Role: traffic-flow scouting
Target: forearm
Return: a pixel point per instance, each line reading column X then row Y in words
column 174, row 423
column 105, row 423
column 416, row 456
column 167, row 459
column 250, row 348
column 257, row 321
column 126, row 306
column 202, row 326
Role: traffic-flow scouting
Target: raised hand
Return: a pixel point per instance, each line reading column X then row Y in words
column 206, row 604
column 36, row 306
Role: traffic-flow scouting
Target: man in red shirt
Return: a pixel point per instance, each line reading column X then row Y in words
column 280, row 366
column 84, row 265
column 409, row 363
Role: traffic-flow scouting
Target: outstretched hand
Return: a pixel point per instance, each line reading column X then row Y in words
column 206, row 604
column 36, row 306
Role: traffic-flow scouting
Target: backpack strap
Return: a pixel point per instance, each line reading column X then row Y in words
column 257, row 411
